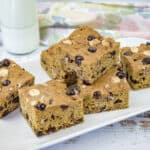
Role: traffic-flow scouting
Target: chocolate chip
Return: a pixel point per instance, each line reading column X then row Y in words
column 80, row 120
column 127, row 76
column 5, row 62
column 50, row 101
column 97, row 95
column 141, row 74
column 16, row 100
column 102, row 108
column 51, row 129
column 103, row 69
column 1, row 108
column 128, row 53
column 146, row 61
column 53, row 117
column 133, row 81
column 92, row 49
column 147, row 43
column 71, row 78
column 90, row 37
column 6, row 82
column 39, row 133
column 85, row 82
column 135, row 59
column 118, row 101
column 64, row 106
column 27, row 116
column 5, row 104
column 72, row 90
column 12, row 96
column 111, row 94
column 5, row 113
column 40, row 106
column 66, row 76
column 120, row 69
column 113, row 53
column 79, row 59
column 43, row 61
column 121, row 74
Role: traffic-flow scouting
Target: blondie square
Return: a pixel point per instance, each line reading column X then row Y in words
column 109, row 92
column 136, row 62
column 12, row 78
column 85, row 54
column 51, row 106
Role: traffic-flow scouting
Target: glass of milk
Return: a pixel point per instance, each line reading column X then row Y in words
column 19, row 25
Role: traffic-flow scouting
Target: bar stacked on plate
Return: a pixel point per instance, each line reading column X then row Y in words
column 90, row 60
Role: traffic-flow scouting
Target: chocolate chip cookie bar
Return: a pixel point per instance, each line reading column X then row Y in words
column 109, row 92
column 85, row 54
column 12, row 78
column 136, row 61
column 51, row 106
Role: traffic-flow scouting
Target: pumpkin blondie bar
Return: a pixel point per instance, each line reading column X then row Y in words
column 85, row 54
column 51, row 106
column 109, row 92
column 12, row 78
column 136, row 62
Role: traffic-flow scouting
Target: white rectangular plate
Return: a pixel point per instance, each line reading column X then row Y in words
column 16, row 134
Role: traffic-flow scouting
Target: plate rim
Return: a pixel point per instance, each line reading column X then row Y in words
column 90, row 129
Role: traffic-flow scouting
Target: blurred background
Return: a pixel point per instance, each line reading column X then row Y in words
column 114, row 18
